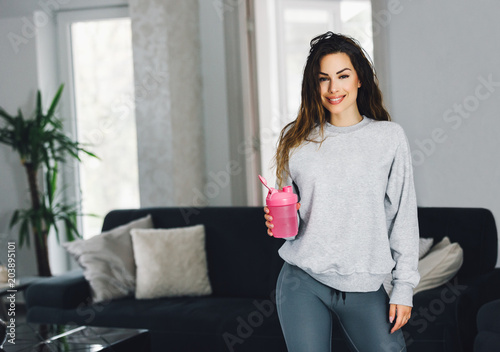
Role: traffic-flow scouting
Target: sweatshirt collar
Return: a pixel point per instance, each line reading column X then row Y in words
column 346, row 129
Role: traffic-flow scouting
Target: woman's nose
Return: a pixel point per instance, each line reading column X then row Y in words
column 333, row 87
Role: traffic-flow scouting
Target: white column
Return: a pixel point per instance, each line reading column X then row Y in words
column 168, row 101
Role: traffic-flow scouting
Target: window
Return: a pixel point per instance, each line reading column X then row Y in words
column 284, row 29
column 97, row 50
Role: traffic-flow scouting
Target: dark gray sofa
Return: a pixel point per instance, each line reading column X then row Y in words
column 243, row 264
column 488, row 323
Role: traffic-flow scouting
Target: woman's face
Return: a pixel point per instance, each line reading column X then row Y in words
column 339, row 85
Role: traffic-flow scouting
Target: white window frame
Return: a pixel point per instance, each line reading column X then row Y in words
column 281, row 7
column 64, row 19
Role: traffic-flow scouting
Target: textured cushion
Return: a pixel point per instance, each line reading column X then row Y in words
column 439, row 265
column 171, row 262
column 108, row 260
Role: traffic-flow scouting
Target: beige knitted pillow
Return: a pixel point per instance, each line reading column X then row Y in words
column 171, row 262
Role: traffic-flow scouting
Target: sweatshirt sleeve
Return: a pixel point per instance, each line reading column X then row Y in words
column 402, row 221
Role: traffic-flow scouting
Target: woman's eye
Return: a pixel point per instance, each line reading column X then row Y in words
column 344, row 76
column 323, row 79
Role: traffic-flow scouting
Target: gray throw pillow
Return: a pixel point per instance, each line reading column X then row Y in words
column 171, row 262
column 108, row 260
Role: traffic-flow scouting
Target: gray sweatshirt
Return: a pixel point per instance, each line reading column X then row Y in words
column 358, row 216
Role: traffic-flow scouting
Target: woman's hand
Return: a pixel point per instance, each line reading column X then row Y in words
column 269, row 218
column 403, row 315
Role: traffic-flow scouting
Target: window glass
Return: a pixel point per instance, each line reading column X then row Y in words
column 104, row 104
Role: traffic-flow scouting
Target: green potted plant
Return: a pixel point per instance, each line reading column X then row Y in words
column 42, row 144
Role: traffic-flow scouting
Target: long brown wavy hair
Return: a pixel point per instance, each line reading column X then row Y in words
column 311, row 112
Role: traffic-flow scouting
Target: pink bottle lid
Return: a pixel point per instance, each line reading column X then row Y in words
column 282, row 198
column 276, row 198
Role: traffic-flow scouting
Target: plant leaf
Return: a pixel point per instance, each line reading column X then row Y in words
column 14, row 219
column 53, row 105
column 38, row 111
column 24, row 233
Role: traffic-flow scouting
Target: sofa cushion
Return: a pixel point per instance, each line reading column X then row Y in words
column 170, row 262
column 108, row 260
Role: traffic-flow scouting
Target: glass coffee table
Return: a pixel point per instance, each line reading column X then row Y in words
column 69, row 338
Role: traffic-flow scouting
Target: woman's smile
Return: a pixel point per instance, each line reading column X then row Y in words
column 336, row 100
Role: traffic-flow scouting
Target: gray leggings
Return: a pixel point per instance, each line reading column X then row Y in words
column 305, row 307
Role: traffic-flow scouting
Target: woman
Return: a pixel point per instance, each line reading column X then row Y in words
column 351, row 167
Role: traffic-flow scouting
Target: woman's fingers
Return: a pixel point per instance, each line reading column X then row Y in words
column 266, row 215
column 298, row 206
column 392, row 313
column 398, row 324
column 403, row 314
column 269, row 218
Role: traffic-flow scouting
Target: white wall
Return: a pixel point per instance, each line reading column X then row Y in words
column 19, row 82
column 214, row 97
column 438, row 56
column 168, row 102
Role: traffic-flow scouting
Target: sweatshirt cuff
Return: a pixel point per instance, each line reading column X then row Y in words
column 402, row 294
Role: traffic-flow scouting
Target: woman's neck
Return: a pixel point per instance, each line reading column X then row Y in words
column 345, row 119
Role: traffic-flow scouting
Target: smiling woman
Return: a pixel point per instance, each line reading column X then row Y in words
column 357, row 212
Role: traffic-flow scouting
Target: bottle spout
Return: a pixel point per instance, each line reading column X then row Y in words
column 264, row 182
column 271, row 189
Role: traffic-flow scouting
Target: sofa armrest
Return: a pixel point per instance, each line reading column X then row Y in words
column 68, row 290
column 484, row 289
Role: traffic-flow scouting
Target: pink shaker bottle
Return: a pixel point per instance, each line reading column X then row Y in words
column 283, row 209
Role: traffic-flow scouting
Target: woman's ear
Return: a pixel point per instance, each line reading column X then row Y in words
column 359, row 84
